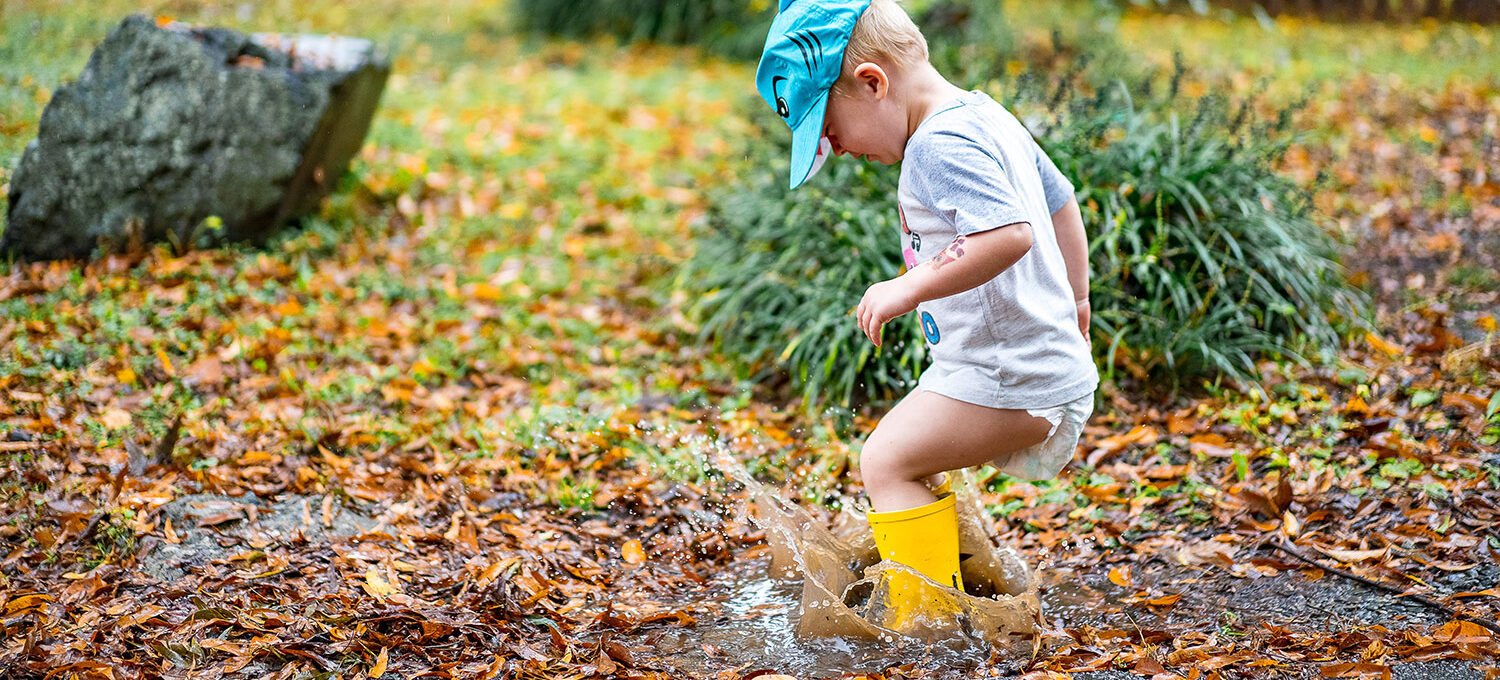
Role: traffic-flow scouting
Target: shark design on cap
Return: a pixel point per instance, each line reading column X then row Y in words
column 803, row 56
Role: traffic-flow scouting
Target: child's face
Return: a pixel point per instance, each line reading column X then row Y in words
column 866, row 121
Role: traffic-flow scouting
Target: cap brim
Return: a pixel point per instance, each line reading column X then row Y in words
column 805, row 138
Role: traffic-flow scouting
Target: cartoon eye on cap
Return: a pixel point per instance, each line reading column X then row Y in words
column 781, row 108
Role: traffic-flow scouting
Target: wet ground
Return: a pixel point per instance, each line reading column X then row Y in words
column 747, row 619
column 1214, row 599
column 757, row 616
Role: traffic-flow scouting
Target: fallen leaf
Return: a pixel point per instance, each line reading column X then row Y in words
column 1462, row 631
column 633, row 552
column 1379, row 343
column 376, row 585
column 380, row 661
column 1352, row 556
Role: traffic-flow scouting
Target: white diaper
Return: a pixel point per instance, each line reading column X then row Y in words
column 1045, row 460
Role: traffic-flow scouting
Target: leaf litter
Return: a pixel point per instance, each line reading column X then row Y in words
column 411, row 464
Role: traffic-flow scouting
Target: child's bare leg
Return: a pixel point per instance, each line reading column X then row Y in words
column 928, row 433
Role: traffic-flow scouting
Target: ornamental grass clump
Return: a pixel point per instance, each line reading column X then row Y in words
column 777, row 274
column 1205, row 260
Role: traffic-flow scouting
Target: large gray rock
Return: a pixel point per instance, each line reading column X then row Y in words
column 169, row 125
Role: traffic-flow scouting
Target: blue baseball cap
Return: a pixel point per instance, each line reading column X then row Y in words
column 803, row 56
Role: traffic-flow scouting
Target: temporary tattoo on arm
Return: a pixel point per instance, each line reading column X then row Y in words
column 950, row 254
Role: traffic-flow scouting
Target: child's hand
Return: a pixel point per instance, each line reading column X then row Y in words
column 1083, row 320
column 882, row 302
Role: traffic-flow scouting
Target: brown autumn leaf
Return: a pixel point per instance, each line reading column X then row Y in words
column 1164, row 600
column 1352, row 556
column 1210, row 444
column 1379, row 343
column 221, row 518
column 1462, row 632
column 1141, row 434
column 1356, row 670
column 1470, row 404
column 1148, row 666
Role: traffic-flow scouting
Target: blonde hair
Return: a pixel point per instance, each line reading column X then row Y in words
column 884, row 35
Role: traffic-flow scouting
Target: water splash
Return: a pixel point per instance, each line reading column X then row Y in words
column 840, row 570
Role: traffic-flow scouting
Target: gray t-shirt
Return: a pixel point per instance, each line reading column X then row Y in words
column 1012, row 342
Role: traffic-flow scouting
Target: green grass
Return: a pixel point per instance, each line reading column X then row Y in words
column 1292, row 52
column 549, row 185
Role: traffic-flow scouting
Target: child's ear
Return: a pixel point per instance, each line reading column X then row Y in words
column 872, row 79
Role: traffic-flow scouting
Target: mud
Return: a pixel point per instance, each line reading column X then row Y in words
column 844, row 580
column 788, row 608
column 756, row 624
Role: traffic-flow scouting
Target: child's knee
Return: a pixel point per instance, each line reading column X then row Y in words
column 882, row 461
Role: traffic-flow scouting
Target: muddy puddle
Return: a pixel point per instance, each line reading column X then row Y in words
column 799, row 604
column 807, row 605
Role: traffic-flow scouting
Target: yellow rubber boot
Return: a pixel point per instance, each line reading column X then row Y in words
column 924, row 538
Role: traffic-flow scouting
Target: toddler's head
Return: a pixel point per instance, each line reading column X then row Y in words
column 834, row 71
column 866, row 114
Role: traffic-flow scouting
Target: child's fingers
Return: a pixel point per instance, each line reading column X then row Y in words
column 867, row 324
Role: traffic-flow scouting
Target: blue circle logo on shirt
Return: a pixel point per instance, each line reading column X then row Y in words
column 929, row 328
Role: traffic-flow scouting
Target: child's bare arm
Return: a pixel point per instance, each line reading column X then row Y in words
column 1074, row 243
column 967, row 263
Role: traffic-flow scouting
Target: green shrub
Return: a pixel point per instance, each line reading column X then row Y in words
column 734, row 28
column 1205, row 260
column 966, row 39
column 777, row 274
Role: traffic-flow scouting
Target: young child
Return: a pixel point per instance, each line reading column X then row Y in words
column 996, row 260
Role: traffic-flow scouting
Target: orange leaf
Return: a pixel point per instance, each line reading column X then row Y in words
column 1379, row 343
column 633, row 552
column 485, row 291
column 1462, row 631
column 1355, row 670
column 1184, row 424
column 1356, row 406
column 26, row 603
column 380, row 661
column 1164, row 601
column 289, row 308
column 1290, row 527
column 1487, row 592
column 166, row 363
column 1141, row 434
column 1148, row 666
column 1466, row 402
column 1120, row 576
